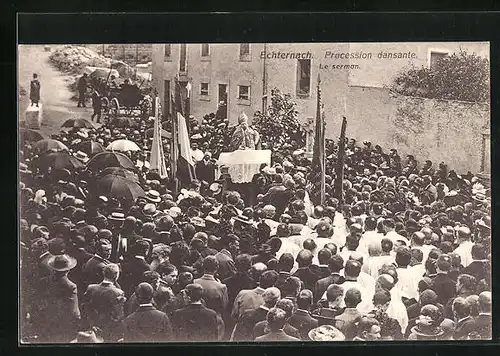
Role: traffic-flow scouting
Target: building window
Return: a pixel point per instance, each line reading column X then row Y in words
column 244, row 52
column 435, row 57
column 204, row 89
column 205, row 50
column 303, row 77
column 243, row 92
column 183, row 58
column 168, row 51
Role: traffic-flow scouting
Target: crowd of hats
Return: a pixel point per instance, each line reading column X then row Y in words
column 62, row 210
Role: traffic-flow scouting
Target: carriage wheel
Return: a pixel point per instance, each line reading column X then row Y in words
column 105, row 104
column 114, row 109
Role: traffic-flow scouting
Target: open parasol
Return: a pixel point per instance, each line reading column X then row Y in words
column 90, row 147
column 123, row 146
column 78, row 123
column 119, row 187
column 58, row 161
column 30, row 135
column 48, row 144
column 110, row 159
column 118, row 171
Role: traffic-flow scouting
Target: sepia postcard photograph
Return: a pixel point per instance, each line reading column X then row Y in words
column 254, row 192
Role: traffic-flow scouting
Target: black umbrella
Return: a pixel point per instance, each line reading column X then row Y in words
column 119, row 171
column 78, row 123
column 58, row 161
column 110, row 159
column 47, row 145
column 30, row 135
column 90, row 147
column 120, row 188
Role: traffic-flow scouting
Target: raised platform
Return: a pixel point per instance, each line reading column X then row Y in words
column 34, row 116
column 242, row 165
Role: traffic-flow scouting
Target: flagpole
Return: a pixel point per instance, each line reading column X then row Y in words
column 175, row 141
column 339, row 171
column 322, row 156
column 317, row 177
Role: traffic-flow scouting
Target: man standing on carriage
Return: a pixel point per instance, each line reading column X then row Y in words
column 82, row 87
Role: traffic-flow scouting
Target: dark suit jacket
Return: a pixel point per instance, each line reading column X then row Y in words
column 58, row 308
column 261, row 329
column 214, row 293
column 147, row 324
column 133, row 269
column 160, row 298
column 276, row 336
column 444, row 287
column 226, row 264
column 476, row 269
column 321, row 270
column 483, row 324
column 307, row 275
column 195, row 323
column 463, row 328
column 103, row 307
column 205, row 171
column 323, row 284
column 92, row 270
column 76, row 274
column 244, row 327
column 237, row 283
column 303, row 322
column 282, row 277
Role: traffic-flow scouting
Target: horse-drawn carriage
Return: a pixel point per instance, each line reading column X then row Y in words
column 126, row 100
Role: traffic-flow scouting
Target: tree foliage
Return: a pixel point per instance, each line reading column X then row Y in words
column 280, row 125
column 460, row 76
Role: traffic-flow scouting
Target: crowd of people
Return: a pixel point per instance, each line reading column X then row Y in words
column 404, row 255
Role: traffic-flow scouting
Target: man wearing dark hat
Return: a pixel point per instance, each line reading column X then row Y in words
column 58, row 303
column 146, row 324
column 195, row 322
column 103, row 303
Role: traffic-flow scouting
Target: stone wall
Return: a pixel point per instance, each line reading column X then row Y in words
column 439, row 130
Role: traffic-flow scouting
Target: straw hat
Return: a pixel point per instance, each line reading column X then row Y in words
column 81, row 156
column 153, row 196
